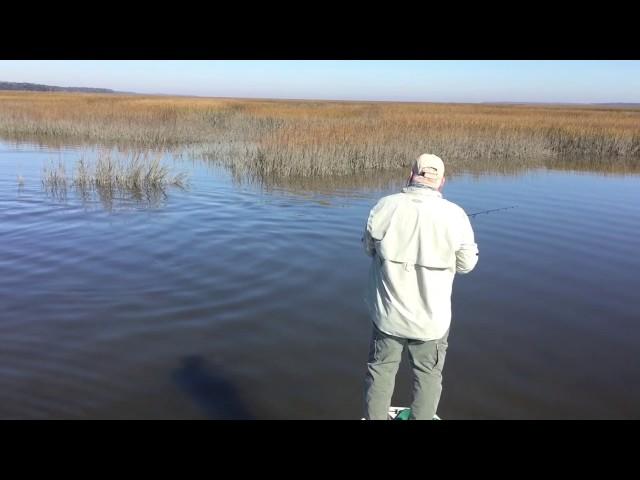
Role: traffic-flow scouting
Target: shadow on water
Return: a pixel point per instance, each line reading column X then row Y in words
column 210, row 390
column 393, row 179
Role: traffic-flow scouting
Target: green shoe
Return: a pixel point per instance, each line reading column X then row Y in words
column 401, row 413
column 404, row 414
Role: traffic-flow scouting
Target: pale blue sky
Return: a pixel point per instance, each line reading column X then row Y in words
column 436, row 81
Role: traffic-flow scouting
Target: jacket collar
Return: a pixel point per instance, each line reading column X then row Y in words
column 422, row 190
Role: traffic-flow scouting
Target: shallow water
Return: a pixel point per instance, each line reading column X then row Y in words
column 232, row 300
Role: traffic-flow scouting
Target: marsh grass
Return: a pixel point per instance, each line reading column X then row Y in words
column 313, row 139
column 54, row 179
column 139, row 176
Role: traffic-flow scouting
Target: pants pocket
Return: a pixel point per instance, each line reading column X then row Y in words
column 441, row 352
column 384, row 349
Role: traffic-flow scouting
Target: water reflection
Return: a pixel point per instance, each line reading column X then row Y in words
column 320, row 189
column 58, row 143
column 599, row 164
column 346, row 185
column 113, row 199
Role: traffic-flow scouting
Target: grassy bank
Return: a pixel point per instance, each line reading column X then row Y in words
column 305, row 138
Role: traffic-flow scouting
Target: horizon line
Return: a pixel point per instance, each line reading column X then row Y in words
column 312, row 99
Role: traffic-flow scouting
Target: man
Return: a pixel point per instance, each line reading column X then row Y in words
column 418, row 242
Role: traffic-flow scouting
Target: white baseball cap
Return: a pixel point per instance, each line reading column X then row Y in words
column 430, row 167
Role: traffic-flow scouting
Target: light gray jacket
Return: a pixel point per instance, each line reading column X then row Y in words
column 418, row 241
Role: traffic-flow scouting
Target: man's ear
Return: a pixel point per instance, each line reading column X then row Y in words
column 442, row 183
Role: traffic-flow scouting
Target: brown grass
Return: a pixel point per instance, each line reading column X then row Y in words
column 305, row 138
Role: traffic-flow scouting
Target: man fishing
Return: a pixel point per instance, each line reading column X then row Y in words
column 418, row 241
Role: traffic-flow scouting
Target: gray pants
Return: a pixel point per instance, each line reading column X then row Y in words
column 427, row 360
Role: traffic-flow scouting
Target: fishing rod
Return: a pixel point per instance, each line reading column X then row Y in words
column 471, row 215
column 489, row 211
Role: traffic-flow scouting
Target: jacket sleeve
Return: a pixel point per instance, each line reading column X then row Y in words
column 467, row 253
column 367, row 239
column 376, row 216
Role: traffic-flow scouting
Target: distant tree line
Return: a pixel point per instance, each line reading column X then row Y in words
column 49, row 88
